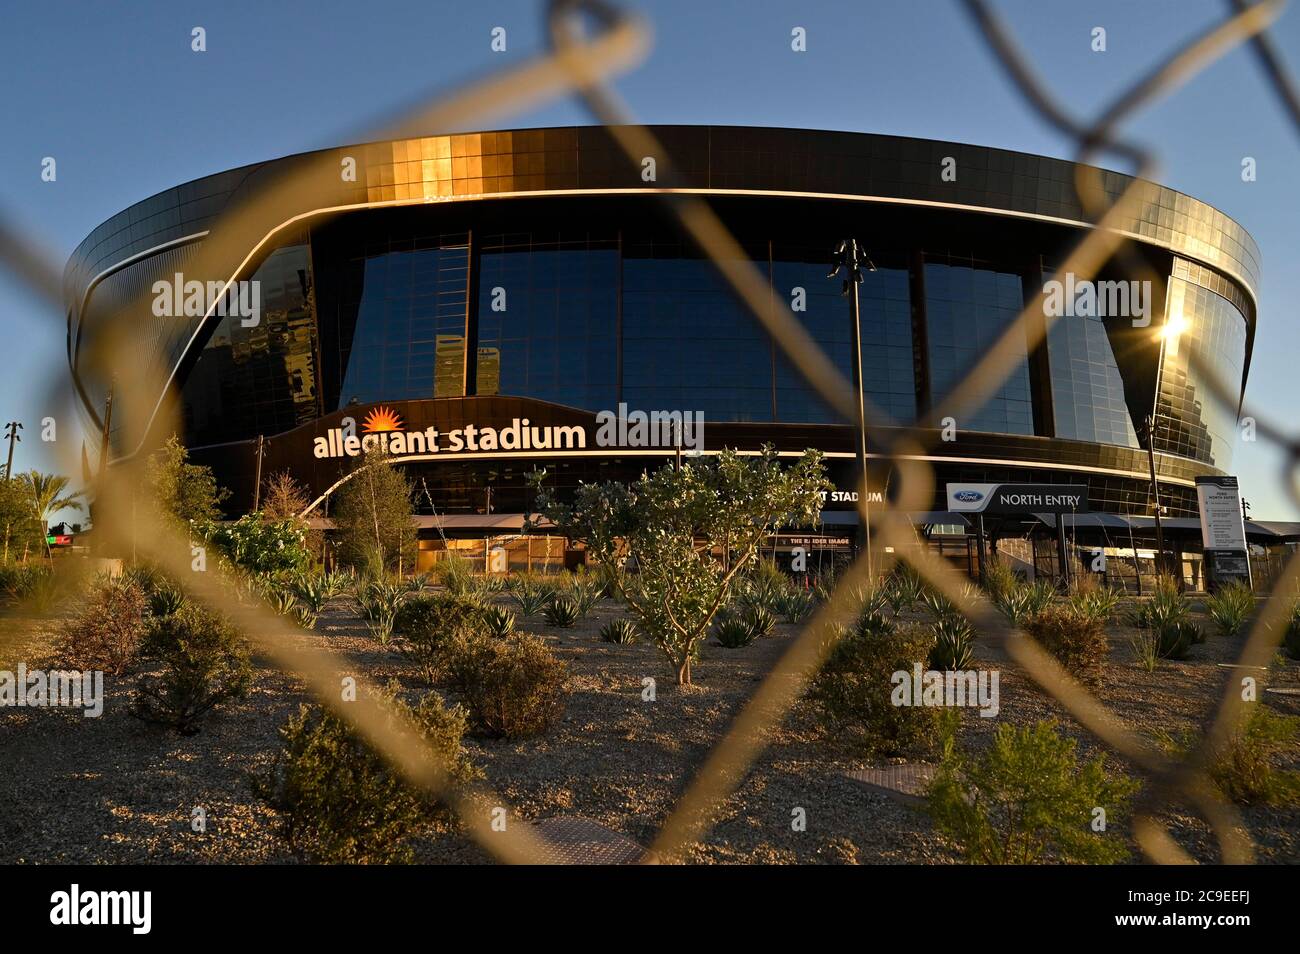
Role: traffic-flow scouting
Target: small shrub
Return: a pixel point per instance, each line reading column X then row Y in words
column 340, row 802
column 1242, row 765
column 1230, row 607
column 621, row 631
column 562, row 612
column 514, row 687
column 1028, row 799
column 852, row 691
column 954, row 640
column 204, row 663
column 733, row 632
column 107, row 632
column 499, row 621
column 427, row 625
column 1075, row 639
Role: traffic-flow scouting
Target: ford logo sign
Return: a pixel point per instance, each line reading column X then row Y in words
column 968, row 496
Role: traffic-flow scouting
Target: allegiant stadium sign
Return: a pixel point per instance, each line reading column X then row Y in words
column 383, row 428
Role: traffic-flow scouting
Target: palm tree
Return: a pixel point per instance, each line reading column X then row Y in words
column 48, row 498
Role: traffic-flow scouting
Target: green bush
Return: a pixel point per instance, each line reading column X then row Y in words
column 1074, row 638
column 851, row 693
column 953, row 649
column 1230, row 607
column 261, row 546
column 562, row 612
column 514, row 687
column 427, row 625
column 106, row 633
column 340, row 802
column 203, row 663
column 1028, row 799
column 733, row 632
column 621, row 631
column 1242, row 766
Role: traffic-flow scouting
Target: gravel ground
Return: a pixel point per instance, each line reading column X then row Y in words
column 114, row 789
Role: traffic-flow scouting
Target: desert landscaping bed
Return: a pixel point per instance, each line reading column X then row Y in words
column 115, row 789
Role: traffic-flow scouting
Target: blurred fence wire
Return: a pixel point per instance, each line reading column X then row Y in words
column 590, row 42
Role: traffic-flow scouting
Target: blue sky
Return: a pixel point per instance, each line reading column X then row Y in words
column 114, row 93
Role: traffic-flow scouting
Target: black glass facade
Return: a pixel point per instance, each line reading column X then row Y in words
column 1088, row 401
column 530, row 264
column 968, row 308
column 262, row 378
column 548, row 319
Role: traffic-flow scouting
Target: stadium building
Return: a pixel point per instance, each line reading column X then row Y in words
column 475, row 302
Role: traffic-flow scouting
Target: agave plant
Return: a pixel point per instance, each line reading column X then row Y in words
column 1230, row 607
column 760, row 621
column 416, row 582
column 794, row 606
column 562, row 612
column 953, row 639
column 335, row 583
column 310, row 591
column 904, row 590
column 1098, row 604
column 304, row 616
column 376, row 596
column 939, row 605
column 584, row 591
column 381, row 624
column 500, row 622
column 166, row 600
column 532, row 597
column 621, row 631
column 734, row 632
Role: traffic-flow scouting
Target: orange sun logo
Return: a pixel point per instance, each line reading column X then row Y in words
column 381, row 419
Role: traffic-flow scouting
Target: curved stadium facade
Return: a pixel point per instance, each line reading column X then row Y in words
column 477, row 280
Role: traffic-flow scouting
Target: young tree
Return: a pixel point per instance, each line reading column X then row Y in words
column 671, row 523
column 373, row 517
column 188, row 492
column 284, row 498
column 48, row 498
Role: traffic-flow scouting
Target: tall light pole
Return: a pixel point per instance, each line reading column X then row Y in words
column 849, row 257
column 13, row 427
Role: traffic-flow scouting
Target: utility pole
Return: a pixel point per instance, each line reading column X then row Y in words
column 1155, row 490
column 13, row 427
column 848, row 256
column 257, row 480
